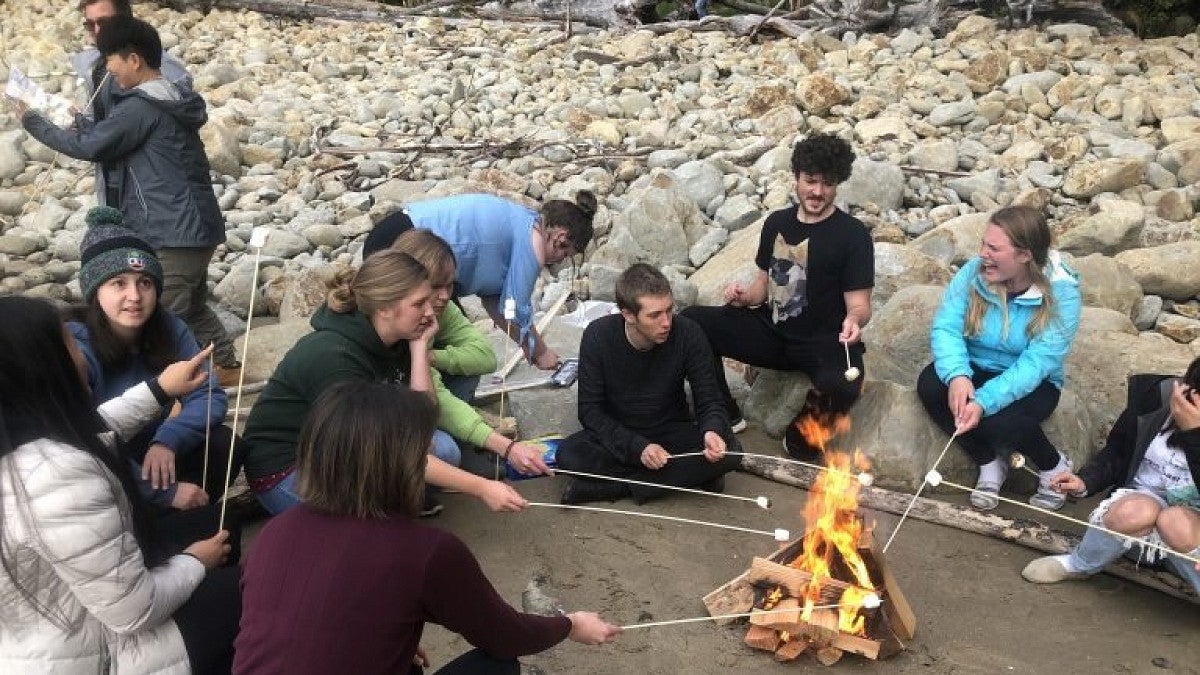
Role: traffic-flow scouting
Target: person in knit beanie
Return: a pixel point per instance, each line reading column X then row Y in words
column 108, row 249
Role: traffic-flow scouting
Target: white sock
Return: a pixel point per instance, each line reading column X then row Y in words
column 993, row 471
column 1064, row 464
column 1065, row 561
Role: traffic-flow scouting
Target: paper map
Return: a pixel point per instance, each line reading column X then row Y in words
column 53, row 106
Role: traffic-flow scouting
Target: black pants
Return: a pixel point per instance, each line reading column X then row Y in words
column 1015, row 428
column 475, row 662
column 189, row 467
column 208, row 621
column 584, row 451
column 176, row 530
column 747, row 335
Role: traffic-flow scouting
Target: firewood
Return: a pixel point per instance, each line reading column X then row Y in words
column 789, row 650
column 829, row 655
column 761, row 637
column 778, row 617
column 822, row 628
column 793, row 580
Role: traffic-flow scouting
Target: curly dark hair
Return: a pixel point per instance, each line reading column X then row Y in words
column 823, row 155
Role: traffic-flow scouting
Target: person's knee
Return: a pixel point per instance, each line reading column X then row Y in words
column 445, row 448
column 1179, row 527
column 930, row 388
column 1131, row 515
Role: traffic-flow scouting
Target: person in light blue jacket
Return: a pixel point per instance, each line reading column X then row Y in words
column 999, row 340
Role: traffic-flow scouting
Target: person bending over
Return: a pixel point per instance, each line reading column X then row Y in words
column 632, row 404
column 999, row 340
column 346, row 581
column 1152, row 457
column 811, row 296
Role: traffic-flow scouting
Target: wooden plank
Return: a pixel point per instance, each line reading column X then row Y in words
column 761, row 637
column 789, row 650
column 829, row 655
column 858, row 645
column 794, row 581
column 734, row 597
column 899, row 612
column 785, row 613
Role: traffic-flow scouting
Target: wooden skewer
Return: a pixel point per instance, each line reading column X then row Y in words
column 760, row 500
column 207, row 425
column 541, row 328
column 864, row 477
column 779, row 534
column 259, row 237
column 920, row 489
column 740, row 615
column 1017, row 461
column 1060, row 516
column 510, row 308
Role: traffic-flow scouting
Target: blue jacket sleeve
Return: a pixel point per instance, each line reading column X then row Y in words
column 110, row 139
column 523, row 270
column 1044, row 354
column 184, row 433
column 946, row 340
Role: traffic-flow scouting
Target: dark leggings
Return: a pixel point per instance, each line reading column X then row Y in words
column 208, row 621
column 1015, row 428
column 584, row 451
column 475, row 662
column 747, row 335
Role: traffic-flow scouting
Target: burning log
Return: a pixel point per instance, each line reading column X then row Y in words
column 793, row 580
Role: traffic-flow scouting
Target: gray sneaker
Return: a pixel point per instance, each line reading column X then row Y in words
column 1045, row 497
column 1050, row 570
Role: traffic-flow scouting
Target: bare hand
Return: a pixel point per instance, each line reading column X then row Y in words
column 547, row 360
column 212, row 552
column 1067, row 483
column 1184, row 408
column 969, row 418
column 158, row 466
column 735, row 294
column 427, row 335
column 589, row 629
column 851, row 331
column 421, row 658
column 655, row 456
column 184, row 377
column 962, row 391
column 714, row 446
column 527, row 459
column 500, row 497
column 189, row 496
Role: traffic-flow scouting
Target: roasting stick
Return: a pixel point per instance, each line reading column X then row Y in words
column 935, row 478
column 207, row 426
column 1018, row 461
column 763, row 502
column 871, row 601
column 921, row 488
column 510, row 313
column 852, row 372
column 258, row 239
column 779, row 534
column 864, row 477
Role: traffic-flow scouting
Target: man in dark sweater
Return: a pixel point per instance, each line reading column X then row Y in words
column 632, row 403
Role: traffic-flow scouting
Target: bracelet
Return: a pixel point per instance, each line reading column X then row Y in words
column 508, row 449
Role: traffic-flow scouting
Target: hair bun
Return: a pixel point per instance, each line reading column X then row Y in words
column 98, row 216
column 586, row 201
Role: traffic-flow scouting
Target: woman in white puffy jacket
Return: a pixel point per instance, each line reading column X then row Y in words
column 83, row 587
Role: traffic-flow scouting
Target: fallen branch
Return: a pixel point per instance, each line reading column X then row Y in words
column 1028, row 533
column 908, row 168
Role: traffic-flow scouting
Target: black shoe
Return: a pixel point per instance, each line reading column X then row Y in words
column 798, row 448
column 715, row 485
column 431, row 507
column 582, row 491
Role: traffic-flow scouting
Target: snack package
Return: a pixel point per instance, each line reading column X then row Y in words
column 549, row 447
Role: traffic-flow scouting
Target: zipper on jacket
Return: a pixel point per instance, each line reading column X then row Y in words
column 141, row 198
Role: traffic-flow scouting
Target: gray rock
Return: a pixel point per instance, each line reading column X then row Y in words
column 1147, row 313
column 1104, row 282
column 872, row 182
column 284, row 244
column 11, row 202
column 659, row 226
column 323, row 234
column 667, row 159
column 939, row 155
column 1043, row 80
column 51, row 216
column 986, row 183
column 12, row 157
column 907, row 42
column 234, row 290
column 602, row 281
column 898, row 266
column 897, row 338
column 737, row 212
column 1117, row 227
column 954, row 241
column 707, row 245
column 1179, row 328
column 19, row 244
column 1169, row 270
column 683, row 291
column 952, row 114
column 269, row 344
column 1085, row 180
column 701, row 181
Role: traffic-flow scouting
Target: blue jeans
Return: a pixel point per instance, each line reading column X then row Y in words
column 1097, row 549
column 701, row 8
column 283, row 496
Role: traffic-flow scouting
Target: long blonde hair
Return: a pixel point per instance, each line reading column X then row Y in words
column 1026, row 228
column 384, row 278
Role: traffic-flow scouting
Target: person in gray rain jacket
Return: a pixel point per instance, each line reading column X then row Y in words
column 154, row 167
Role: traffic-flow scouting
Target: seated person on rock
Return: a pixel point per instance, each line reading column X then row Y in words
column 461, row 354
column 346, row 581
column 810, row 298
column 1152, row 457
column 376, row 326
column 500, row 248
column 632, row 404
column 999, row 340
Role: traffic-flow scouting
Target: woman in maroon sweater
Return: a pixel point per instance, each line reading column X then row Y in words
column 345, row 582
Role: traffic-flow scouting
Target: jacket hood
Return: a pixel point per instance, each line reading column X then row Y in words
column 1056, row 271
column 357, row 328
column 184, row 105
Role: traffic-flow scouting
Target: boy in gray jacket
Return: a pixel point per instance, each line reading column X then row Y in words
column 154, row 167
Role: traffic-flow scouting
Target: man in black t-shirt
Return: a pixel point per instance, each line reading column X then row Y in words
column 634, row 411
column 811, row 297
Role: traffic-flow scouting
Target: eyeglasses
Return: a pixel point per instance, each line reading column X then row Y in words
column 93, row 25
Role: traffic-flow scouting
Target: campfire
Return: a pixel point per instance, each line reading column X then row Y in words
column 830, row 592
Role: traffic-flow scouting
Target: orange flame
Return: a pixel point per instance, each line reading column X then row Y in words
column 832, row 522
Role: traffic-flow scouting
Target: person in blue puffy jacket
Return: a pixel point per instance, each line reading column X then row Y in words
column 999, row 340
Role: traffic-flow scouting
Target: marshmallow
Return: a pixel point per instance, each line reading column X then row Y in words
column 510, row 309
column 763, row 502
column 852, row 374
column 866, row 479
column 871, row 601
column 933, row 478
column 1017, row 460
column 782, row 534
column 258, row 237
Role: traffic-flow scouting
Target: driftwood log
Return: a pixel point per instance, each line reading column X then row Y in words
column 1019, row 531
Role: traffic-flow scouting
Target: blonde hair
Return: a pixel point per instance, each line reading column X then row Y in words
column 428, row 249
column 1026, row 228
column 384, row 278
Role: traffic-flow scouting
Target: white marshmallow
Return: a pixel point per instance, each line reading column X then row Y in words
column 258, row 237
column 763, row 502
column 871, row 601
column 1017, row 460
column 933, row 478
column 782, row 534
column 852, row 374
column 510, row 309
column 866, row 479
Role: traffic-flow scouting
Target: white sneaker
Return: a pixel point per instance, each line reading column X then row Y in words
column 738, row 425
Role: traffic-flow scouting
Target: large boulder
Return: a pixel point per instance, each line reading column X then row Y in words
column 543, row 411
column 954, row 241
column 660, row 225
column 702, row 181
column 735, row 262
column 1085, row 180
column 1115, row 228
column 1104, row 282
column 222, row 147
column 898, row 266
column 897, row 339
column 268, row 345
column 871, row 182
column 1170, row 270
column 304, row 291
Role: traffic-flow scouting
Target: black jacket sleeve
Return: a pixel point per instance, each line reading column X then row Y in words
column 699, row 365
column 1110, row 466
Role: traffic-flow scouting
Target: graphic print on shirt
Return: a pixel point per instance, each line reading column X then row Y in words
column 788, row 275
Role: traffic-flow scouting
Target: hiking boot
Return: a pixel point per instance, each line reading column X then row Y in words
column 431, row 506
column 1047, row 497
column 582, row 491
column 796, row 447
column 1051, row 570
